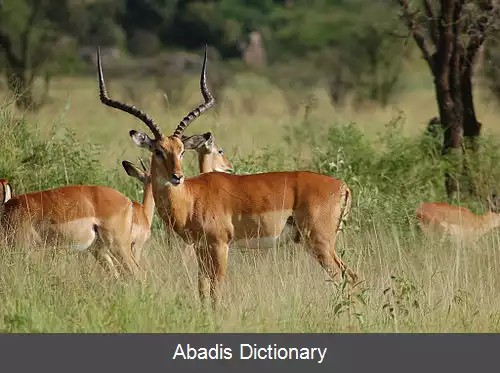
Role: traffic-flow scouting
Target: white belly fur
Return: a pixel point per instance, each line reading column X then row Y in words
column 79, row 234
column 266, row 242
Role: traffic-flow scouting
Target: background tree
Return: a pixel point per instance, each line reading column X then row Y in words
column 350, row 42
column 28, row 31
column 449, row 34
column 35, row 35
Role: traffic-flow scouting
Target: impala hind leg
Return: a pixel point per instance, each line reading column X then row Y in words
column 117, row 247
column 327, row 257
column 320, row 242
column 343, row 267
column 212, row 265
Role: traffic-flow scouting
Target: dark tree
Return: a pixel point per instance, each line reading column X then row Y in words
column 30, row 32
column 449, row 34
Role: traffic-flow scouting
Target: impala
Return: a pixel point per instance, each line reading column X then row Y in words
column 459, row 223
column 215, row 209
column 210, row 158
column 81, row 216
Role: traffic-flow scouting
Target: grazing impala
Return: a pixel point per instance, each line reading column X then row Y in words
column 461, row 224
column 81, row 216
column 210, row 158
column 214, row 209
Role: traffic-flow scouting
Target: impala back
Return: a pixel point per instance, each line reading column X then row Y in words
column 443, row 213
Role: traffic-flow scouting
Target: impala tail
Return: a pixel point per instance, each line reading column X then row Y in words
column 346, row 201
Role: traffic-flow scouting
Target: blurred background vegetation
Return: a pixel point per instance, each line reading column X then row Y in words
column 348, row 44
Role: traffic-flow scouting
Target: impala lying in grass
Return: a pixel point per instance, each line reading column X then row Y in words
column 441, row 220
column 215, row 209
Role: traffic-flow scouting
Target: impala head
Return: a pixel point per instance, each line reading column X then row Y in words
column 212, row 155
column 143, row 176
column 167, row 150
column 5, row 191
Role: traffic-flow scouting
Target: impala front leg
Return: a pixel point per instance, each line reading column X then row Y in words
column 212, row 265
column 202, row 256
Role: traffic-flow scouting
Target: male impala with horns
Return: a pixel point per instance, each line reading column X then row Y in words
column 213, row 210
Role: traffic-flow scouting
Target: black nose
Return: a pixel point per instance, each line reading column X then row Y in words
column 176, row 179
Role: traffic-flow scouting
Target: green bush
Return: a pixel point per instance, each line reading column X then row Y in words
column 391, row 176
column 32, row 163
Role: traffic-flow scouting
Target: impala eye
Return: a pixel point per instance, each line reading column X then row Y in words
column 221, row 152
column 158, row 153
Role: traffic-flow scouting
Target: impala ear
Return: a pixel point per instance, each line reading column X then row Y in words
column 203, row 142
column 193, row 142
column 141, row 139
column 209, row 141
column 6, row 192
column 133, row 171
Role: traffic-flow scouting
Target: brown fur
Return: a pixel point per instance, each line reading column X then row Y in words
column 442, row 219
column 81, row 216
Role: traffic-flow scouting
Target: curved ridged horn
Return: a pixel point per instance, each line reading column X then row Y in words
column 103, row 95
column 200, row 109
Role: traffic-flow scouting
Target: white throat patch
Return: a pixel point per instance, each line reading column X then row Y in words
column 165, row 182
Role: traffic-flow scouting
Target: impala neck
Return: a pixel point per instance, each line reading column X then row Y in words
column 148, row 201
column 204, row 163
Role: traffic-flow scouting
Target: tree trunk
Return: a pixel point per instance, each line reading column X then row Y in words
column 472, row 128
column 451, row 62
column 452, row 132
column 21, row 89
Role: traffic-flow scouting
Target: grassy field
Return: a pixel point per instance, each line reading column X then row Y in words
column 410, row 284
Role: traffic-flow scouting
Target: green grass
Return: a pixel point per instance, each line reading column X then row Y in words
column 409, row 284
column 415, row 287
